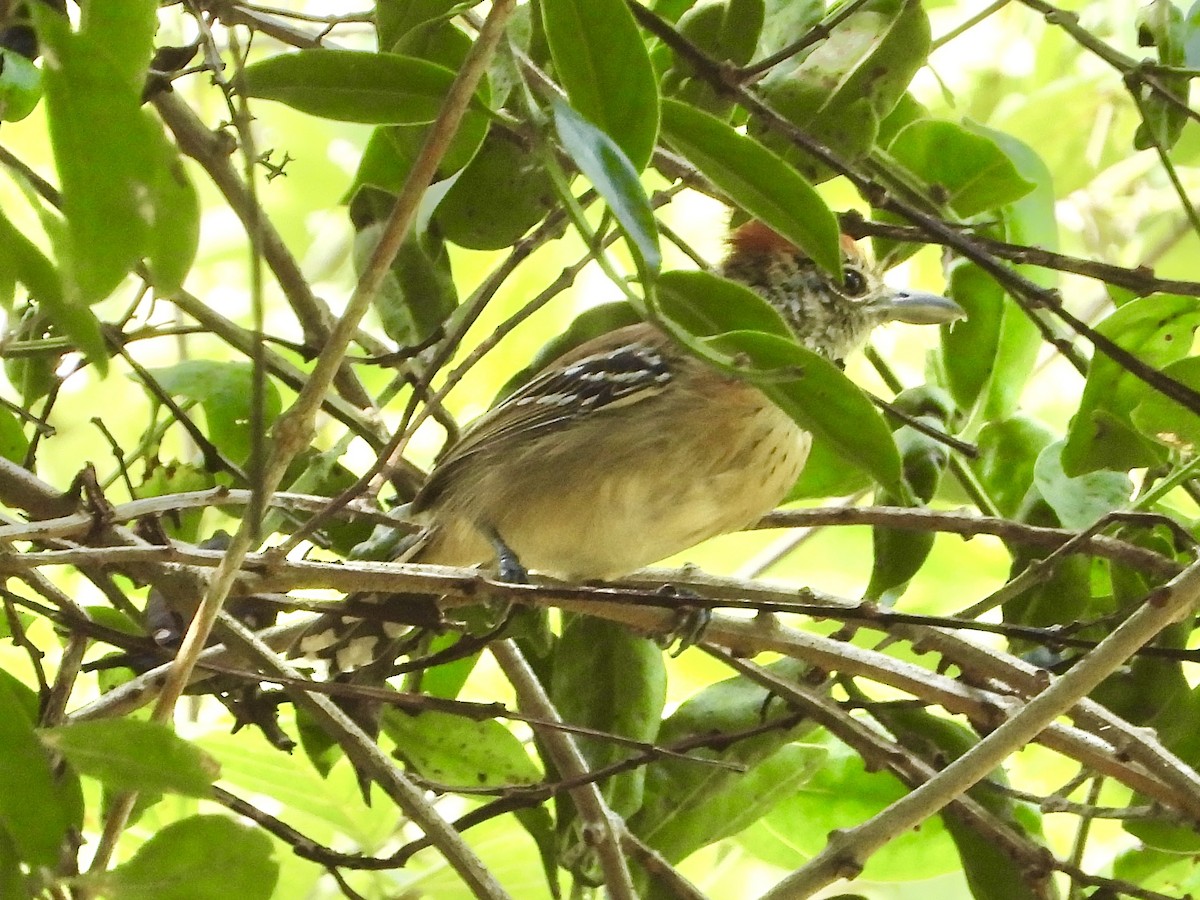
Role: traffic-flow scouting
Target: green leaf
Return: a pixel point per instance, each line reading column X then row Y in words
column 841, row 91
column 757, row 180
column 12, row 882
column 418, row 291
column 826, row 474
column 1030, row 220
column 13, row 443
column 171, row 249
column 602, row 63
column 93, row 96
column 352, row 85
column 22, row 261
column 1079, row 502
column 225, row 391
column 707, row 304
column 172, row 477
column 444, row 44
column 689, row 804
column 197, row 858
column 899, row 554
column 20, row 86
column 499, row 196
column 620, row 691
column 991, row 872
column 1008, row 450
column 454, row 750
column 726, row 31
column 841, row 795
column 1160, row 24
column 968, row 354
column 129, row 754
column 969, row 172
column 1163, row 419
column 395, row 18
column 609, row 170
column 742, row 802
column 820, row 398
column 1158, row 330
column 37, row 807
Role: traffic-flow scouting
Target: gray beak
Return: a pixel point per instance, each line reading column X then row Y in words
column 919, row 308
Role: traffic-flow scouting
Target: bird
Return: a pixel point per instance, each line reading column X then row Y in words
column 629, row 449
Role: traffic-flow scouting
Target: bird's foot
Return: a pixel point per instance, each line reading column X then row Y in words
column 508, row 566
column 690, row 621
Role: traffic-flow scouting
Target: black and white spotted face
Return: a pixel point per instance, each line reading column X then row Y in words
column 830, row 318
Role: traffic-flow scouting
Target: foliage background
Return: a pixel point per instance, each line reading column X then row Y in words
column 1111, row 203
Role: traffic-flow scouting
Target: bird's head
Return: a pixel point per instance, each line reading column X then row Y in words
column 826, row 317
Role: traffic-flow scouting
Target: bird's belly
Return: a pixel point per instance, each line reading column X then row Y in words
column 642, row 510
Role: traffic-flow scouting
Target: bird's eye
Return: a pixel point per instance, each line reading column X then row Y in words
column 854, row 283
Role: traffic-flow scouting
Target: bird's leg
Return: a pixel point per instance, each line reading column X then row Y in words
column 508, row 566
column 690, row 621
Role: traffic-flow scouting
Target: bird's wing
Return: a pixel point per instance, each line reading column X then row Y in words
column 621, row 368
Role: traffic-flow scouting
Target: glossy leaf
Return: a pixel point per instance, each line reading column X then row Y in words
column 745, row 800
column 225, row 391
column 991, row 872
column 621, row 691
column 727, row 31
column 129, row 754
column 757, row 180
column 842, row 794
column 602, row 63
column 13, row 443
column 196, row 859
column 445, row 44
column 454, row 750
column 819, row 397
column 969, row 346
column 688, row 805
column 37, row 806
column 20, row 86
column 418, row 292
column 841, row 91
column 899, row 554
column 707, row 304
column 1080, row 501
column 502, row 193
column 175, row 236
column 1029, row 220
column 93, row 98
column 1008, row 450
column 826, row 474
column 967, row 171
column 1166, row 421
column 1158, row 330
column 352, row 85
column 606, row 166
column 395, row 18
column 1161, row 25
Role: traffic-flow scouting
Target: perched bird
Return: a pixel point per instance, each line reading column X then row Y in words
column 628, row 449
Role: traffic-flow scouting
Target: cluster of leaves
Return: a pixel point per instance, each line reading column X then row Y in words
column 772, row 106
